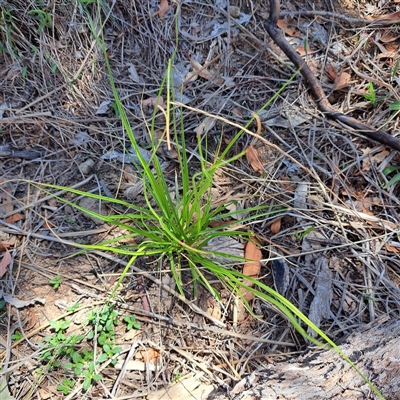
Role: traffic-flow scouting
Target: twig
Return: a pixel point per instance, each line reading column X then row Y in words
column 316, row 90
column 330, row 16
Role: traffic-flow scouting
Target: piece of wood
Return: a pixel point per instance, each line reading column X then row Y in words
column 320, row 374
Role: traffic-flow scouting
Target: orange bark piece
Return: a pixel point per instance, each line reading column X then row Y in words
column 276, row 226
column 253, row 253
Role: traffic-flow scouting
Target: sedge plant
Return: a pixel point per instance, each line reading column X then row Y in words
column 178, row 224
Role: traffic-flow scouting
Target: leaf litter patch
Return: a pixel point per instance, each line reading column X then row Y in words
column 333, row 252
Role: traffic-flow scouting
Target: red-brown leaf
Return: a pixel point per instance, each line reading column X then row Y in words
column 253, row 159
column 164, row 6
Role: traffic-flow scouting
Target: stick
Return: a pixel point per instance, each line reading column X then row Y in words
column 316, row 90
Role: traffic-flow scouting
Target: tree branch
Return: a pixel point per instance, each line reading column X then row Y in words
column 316, row 90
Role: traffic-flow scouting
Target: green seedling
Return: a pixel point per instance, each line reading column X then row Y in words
column 56, row 282
column 302, row 235
column 387, row 171
column 394, row 72
column 66, row 386
column 371, row 95
column 103, row 322
column 131, row 322
column 73, row 308
column 395, row 106
column 90, row 375
column 43, row 17
column 17, row 335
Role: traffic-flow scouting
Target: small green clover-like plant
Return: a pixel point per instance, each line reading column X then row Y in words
column 17, row 335
column 104, row 321
column 73, row 308
column 56, row 282
column 79, row 360
column 131, row 322
column 90, row 375
column 66, row 386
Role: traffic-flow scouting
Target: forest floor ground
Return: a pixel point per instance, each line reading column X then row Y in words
column 336, row 242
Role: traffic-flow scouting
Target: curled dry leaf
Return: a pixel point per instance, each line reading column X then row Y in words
column 254, row 160
column 388, row 36
column 342, row 81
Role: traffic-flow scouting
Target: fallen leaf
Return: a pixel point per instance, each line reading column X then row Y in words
column 187, row 389
column 252, row 252
column 14, row 218
column 44, row 394
column 205, row 126
column 152, row 101
column 5, row 261
column 276, row 226
column 164, row 7
column 48, row 225
column 133, row 73
column 331, row 71
column 392, row 47
column 394, row 17
column 375, row 158
column 6, row 244
column 8, row 206
column 199, row 70
column 149, row 354
column 302, row 50
column 134, row 365
column 253, row 159
column 103, row 107
column 387, row 54
column 5, row 393
column 388, row 36
column 227, row 246
column 17, row 303
column 287, row 28
column 342, row 81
